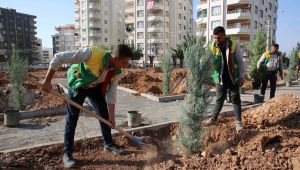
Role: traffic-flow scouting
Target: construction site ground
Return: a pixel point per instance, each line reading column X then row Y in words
column 40, row 131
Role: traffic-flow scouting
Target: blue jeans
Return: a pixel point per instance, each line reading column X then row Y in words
column 99, row 104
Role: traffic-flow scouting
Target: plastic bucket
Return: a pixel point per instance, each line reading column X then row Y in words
column 134, row 118
column 258, row 98
column 12, row 118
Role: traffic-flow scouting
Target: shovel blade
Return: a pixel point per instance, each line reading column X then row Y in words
column 138, row 140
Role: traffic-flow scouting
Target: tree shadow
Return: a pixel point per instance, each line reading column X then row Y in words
column 290, row 122
column 30, row 126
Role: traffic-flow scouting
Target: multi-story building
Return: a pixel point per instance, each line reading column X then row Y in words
column 64, row 40
column 158, row 25
column 241, row 18
column 18, row 31
column 99, row 22
column 47, row 55
column 39, row 46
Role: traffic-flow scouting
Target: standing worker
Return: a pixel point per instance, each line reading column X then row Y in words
column 94, row 74
column 270, row 60
column 228, row 73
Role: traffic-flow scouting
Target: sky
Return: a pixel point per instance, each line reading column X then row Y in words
column 53, row 13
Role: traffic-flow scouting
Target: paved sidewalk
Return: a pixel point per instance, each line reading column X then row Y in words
column 28, row 134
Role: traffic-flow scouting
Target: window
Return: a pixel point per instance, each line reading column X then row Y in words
column 261, row 13
column 105, row 21
column 262, row 1
column 260, row 25
column 275, row 9
column 216, row 10
column 179, row 25
column 140, row 24
column 140, row 45
column 202, row 13
column 179, row 5
column 140, row 35
column 256, row 9
column 140, row 2
column 179, row 16
column 275, row 21
column 270, row 6
column 140, row 13
column 214, row 24
column 255, row 24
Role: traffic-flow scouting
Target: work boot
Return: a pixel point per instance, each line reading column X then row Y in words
column 239, row 126
column 69, row 161
column 209, row 122
column 113, row 148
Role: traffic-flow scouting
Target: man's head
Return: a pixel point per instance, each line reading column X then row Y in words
column 219, row 35
column 274, row 48
column 121, row 55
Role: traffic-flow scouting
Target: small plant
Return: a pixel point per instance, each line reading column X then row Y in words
column 258, row 47
column 137, row 53
column 199, row 73
column 167, row 73
column 17, row 74
column 292, row 65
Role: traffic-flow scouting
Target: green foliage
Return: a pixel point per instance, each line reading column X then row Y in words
column 167, row 72
column 258, row 47
column 292, row 65
column 17, row 74
column 199, row 73
column 137, row 53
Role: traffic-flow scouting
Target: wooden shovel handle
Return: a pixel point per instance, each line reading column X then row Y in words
column 55, row 93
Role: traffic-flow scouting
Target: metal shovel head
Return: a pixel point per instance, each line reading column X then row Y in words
column 138, row 140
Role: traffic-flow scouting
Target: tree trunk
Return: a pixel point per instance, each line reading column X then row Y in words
column 181, row 63
column 174, row 61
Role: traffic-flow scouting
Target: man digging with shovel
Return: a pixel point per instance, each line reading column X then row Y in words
column 94, row 74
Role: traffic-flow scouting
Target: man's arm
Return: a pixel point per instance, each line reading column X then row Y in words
column 240, row 63
column 111, row 99
column 69, row 57
column 262, row 58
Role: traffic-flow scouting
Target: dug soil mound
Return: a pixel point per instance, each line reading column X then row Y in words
column 271, row 140
column 150, row 80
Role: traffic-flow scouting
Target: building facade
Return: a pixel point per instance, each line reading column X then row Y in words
column 47, row 55
column 241, row 18
column 64, row 39
column 158, row 25
column 18, row 31
column 99, row 22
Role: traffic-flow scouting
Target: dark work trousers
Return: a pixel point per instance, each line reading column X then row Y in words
column 221, row 95
column 272, row 76
column 100, row 106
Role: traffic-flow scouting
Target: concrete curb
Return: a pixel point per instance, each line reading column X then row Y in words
column 41, row 113
column 155, row 127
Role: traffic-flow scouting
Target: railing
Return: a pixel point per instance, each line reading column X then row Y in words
column 238, row 11
column 238, row 26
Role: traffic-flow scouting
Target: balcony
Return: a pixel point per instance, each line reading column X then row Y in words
column 237, row 29
column 230, row 2
column 94, row 24
column 95, row 33
column 94, row 6
column 77, row 18
column 155, row 28
column 129, row 20
column 129, row 9
column 77, row 1
column 154, row 40
column 155, row 7
column 94, row 42
column 155, row 18
column 95, row 15
column 77, row 9
column 239, row 14
column 77, row 27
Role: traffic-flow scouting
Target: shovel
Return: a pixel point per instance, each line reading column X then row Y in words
column 136, row 139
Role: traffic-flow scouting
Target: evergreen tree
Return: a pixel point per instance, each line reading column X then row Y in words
column 199, row 72
column 167, row 72
column 292, row 65
column 17, row 74
column 258, row 46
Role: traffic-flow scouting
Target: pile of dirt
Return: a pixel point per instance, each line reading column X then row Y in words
column 276, row 145
column 150, row 80
column 34, row 99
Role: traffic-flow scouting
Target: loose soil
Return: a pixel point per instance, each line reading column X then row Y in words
column 271, row 140
column 34, row 99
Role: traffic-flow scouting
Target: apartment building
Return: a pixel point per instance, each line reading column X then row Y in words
column 64, row 39
column 17, row 31
column 99, row 22
column 157, row 25
column 241, row 18
column 47, row 54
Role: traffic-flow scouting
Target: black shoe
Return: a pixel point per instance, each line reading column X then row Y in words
column 69, row 161
column 113, row 148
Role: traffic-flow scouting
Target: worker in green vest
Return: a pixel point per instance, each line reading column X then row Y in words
column 228, row 73
column 94, row 73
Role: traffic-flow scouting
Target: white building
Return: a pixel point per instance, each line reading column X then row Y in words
column 99, row 22
column 39, row 49
column 64, row 39
column 47, row 55
column 240, row 18
column 157, row 25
